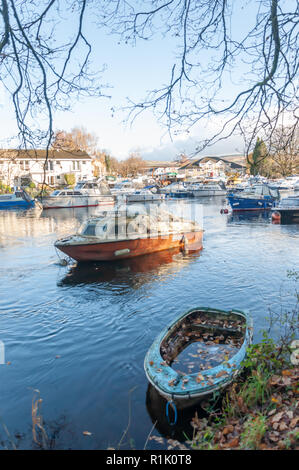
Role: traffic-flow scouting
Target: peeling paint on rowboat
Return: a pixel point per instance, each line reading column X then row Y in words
column 187, row 389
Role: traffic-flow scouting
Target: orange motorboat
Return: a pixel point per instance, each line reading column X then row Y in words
column 124, row 234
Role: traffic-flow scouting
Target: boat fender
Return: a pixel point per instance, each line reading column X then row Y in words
column 172, row 404
column 276, row 216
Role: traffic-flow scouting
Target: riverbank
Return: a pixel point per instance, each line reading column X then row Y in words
column 258, row 412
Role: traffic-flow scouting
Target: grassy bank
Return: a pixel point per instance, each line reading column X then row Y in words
column 260, row 411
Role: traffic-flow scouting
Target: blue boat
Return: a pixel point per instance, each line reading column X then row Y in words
column 199, row 353
column 259, row 197
column 18, row 199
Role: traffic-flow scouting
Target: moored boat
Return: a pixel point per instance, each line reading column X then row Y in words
column 19, row 198
column 199, row 353
column 175, row 190
column 84, row 194
column 286, row 211
column 259, row 197
column 208, row 189
column 144, row 195
column 130, row 232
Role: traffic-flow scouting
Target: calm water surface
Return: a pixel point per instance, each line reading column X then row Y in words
column 79, row 334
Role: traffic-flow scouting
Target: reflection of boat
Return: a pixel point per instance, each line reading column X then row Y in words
column 131, row 232
column 18, row 199
column 126, row 269
column 260, row 197
column 156, row 406
column 249, row 216
column 286, row 211
column 215, row 339
column 85, row 194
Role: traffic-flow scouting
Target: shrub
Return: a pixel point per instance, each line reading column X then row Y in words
column 70, row 179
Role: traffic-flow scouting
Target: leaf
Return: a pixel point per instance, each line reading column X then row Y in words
column 277, row 417
column 199, row 378
column 287, row 372
column 221, row 373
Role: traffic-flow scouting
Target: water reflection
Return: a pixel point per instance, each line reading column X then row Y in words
column 263, row 217
column 78, row 213
column 133, row 272
column 156, row 408
column 80, row 334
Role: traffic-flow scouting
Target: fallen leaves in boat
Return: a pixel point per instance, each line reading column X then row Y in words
column 202, row 342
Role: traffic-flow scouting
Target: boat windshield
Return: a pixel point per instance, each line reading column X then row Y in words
column 89, row 229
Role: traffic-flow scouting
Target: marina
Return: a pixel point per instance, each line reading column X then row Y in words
column 79, row 333
column 149, row 228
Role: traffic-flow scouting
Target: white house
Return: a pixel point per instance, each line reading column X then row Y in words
column 16, row 166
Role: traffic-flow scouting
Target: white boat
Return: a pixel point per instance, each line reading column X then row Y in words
column 288, row 183
column 125, row 187
column 175, row 190
column 85, row 194
column 144, row 195
column 208, row 189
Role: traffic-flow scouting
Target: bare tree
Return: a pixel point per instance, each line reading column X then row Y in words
column 285, row 150
column 257, row 61
column 43, row 69
column 132, row 165
column 44, row 63
column 77, row 139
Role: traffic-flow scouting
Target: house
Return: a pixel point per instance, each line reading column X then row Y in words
column 160, row 169
column 214, row 166
column 18, row 167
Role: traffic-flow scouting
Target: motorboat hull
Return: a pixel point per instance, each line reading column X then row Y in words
column 144, row 197
column 16, row 200
column 250, row 204
column 62, row 202
column 129, row 248
column 21, row 204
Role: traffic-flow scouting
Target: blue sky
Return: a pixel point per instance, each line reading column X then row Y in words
column 130, row 72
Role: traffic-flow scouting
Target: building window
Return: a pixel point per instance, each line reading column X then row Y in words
column 49, row 165
column 76, row 165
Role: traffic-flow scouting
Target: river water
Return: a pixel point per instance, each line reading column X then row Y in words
column 79, row 334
